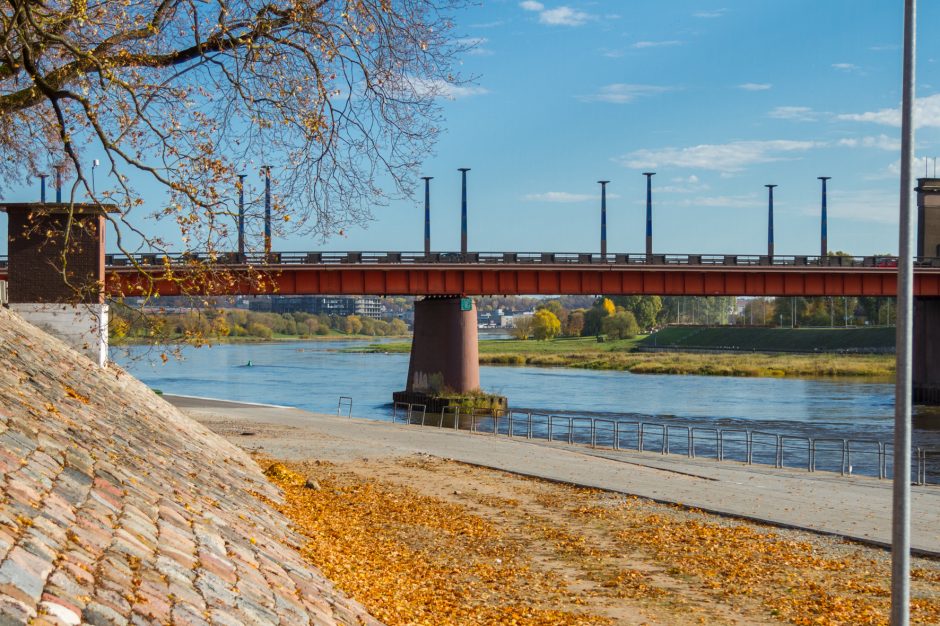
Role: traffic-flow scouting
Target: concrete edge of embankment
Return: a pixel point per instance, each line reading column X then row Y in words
column 211, row 402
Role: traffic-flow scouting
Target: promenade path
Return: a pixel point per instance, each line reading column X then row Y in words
column 853, row 507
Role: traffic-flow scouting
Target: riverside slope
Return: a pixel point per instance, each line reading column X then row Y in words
column 117, row 509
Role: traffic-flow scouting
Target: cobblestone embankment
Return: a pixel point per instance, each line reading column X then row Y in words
column 116, row 509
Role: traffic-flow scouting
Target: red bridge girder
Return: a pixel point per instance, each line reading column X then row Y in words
column 473, row 279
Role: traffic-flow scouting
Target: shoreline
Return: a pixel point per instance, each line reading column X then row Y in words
column 727, row 488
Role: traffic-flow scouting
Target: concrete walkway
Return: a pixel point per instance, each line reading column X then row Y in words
column 853, row 507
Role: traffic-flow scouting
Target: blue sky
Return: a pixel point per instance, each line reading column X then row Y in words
column 718, row 98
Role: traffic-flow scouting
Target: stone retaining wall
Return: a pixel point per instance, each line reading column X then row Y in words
column 117, row 509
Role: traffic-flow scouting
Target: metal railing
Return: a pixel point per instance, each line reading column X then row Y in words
column 750, row 447
column 290, row 259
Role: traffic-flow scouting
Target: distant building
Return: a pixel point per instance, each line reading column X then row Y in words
column 321, row 305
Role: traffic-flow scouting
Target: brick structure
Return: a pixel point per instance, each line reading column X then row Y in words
column 117, row 509
column 56, row 271
column 926, row 357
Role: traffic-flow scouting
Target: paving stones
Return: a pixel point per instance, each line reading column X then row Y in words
column 116, row 509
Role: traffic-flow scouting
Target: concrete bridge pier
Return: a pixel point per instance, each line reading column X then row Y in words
column 444, row 351
column 926, row 357
column 445, row 356
column 71, row 306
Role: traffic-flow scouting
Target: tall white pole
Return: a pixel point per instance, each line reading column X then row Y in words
column 901, row 509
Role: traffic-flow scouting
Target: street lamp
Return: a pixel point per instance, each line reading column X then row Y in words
column 649, row 213
column 267, row 210
column 463, row 209
column 427, row 214
column 603, row 184
column 94, row 166
column 770, row 221
column 824, row 234
column 241, row 217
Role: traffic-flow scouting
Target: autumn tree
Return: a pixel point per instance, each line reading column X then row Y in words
column 337, row 98
column 574, row 324
column 557, row 308
column 593, row 318
column 620, row 325
column 645, row 309
column 545, row 325
column 522, row 326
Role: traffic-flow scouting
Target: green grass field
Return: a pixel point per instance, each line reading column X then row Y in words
column 793, row 340
column 588, row 353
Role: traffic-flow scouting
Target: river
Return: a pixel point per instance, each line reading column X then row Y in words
column 313, row 374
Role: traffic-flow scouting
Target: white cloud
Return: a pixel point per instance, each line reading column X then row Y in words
column 921, row 166
column 710, row 14
column 475, row 46
column 563, row 16
column 743, row 201
column 656, row 44
column 493, row 24
column 926, row 114
column 622, row 93
column 725, row 158
column 846, row 67
column 612, row 54
column 867, row 205
column 442, row 89
column 881, row 142
column 683, row 185
column 559, row 16
column 799, row 114
column 755, row 86
column 563, row 197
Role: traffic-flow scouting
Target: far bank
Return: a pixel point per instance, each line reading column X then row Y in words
column 708, row 351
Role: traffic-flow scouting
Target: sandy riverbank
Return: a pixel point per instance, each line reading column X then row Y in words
column 437, row 540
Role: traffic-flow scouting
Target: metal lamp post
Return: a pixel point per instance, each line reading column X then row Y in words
column 267, row 210
column 427, row 214
column 770, row 221
column 463, row 209
column 649, row 213
column 901, row 495
column 241, row 217
column 603, row 184
column 824, row 232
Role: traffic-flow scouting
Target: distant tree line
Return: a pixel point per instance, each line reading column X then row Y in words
column 213, row 324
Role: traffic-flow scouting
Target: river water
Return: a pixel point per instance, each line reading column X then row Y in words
column 313, row 374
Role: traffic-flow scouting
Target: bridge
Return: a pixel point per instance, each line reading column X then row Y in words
column 444, row 343
column 516, row 273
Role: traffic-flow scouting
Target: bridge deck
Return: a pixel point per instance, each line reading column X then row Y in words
column 397, row 273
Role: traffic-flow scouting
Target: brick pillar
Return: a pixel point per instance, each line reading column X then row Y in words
column 70, row 306
column 444, row 351
column 926, row 357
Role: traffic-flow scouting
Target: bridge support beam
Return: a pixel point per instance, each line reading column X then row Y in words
column 66, row 301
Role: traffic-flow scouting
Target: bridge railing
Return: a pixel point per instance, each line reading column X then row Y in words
column 501, row 258
column 294, row 259
column 846, row 457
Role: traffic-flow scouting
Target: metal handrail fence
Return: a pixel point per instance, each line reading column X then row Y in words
column 294, row 258
column 750, row 446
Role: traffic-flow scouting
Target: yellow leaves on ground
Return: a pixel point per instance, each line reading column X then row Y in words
column 412, row 559
column 435, row 542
